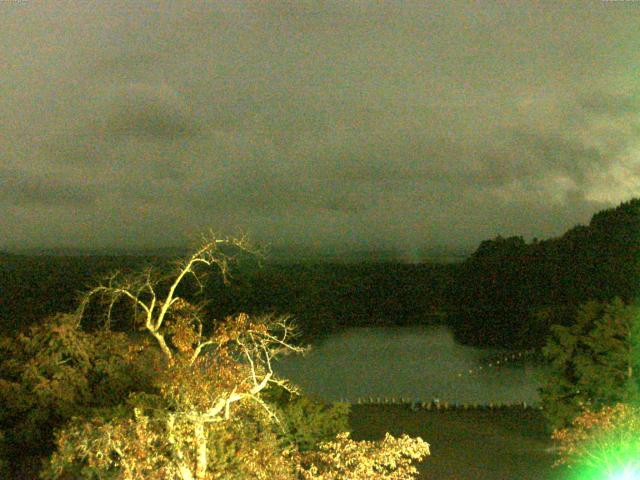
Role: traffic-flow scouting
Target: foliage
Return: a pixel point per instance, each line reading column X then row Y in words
column 168, row 433
column 213, row 413
column 306, row 423
column 252, row 437
column 148, row 439
column 502, row 287
column 592, row 363
column 601, row 444
column 4, row 455
column 249, row 446
column 344, row 458
column 54, row 371
column 245, row 447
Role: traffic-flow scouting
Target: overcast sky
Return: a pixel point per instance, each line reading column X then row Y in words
column 377, row 124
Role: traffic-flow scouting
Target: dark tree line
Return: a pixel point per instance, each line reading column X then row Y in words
column 326, row 297
column 509, row 292
column 33, row 287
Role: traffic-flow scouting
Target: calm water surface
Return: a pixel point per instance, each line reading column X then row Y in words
column 418, row 363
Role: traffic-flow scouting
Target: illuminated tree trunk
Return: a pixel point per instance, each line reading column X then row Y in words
column 183, row 469
column 201, row 452
column 185, row 473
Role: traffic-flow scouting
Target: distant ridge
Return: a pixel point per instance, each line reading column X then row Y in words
column 297, row 254
column 86, row 252
column 281, row 254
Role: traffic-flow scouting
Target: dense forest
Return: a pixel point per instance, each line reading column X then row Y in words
column 510, row 292
column 506, row 293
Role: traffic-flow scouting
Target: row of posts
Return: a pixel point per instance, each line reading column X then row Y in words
column 436, row 404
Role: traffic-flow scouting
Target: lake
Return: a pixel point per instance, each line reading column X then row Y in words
column 416, row 363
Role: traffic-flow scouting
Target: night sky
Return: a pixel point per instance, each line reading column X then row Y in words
column 369, row 124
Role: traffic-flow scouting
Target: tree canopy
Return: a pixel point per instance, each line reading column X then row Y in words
column 211, row 405
column 592, row 363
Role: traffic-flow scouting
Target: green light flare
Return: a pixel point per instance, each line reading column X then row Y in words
column 621, row 470
column 628, row 473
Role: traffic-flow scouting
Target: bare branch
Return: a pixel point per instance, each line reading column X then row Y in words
column 198, row 350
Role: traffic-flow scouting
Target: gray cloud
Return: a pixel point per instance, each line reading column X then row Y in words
column 367, row 123
column 144, row 111
column 548, row 154
column 610, row 103
column 22, row 188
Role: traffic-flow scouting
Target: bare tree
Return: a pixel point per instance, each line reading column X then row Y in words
column 204, row 375
column 204, row 380
column 142, row 289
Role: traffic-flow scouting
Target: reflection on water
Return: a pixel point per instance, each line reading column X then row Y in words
column 418, row 363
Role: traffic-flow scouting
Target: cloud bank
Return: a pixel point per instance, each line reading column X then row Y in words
column 319, row 123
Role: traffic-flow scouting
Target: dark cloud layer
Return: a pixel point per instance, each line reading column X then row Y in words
column 24, row 189
column 610, row 103
column 363, row 123
column 146, row 112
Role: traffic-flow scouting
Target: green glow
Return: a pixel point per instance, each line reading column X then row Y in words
column 623, row 473
column 629, row 470
column 615, row 457
column 628, row 473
